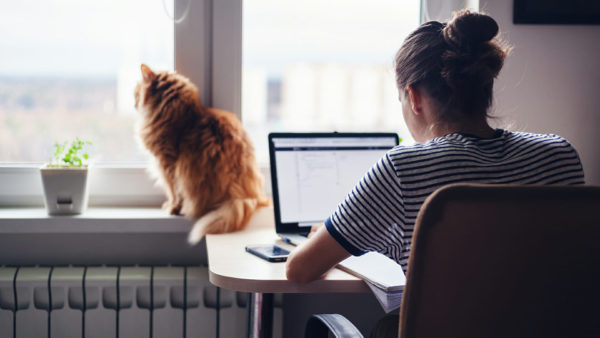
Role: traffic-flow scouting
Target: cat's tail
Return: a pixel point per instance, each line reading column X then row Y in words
column 231, row 216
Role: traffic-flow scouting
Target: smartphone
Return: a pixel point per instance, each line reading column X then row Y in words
column 269, row 252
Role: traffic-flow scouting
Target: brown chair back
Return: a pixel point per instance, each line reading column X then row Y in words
column 505, row 261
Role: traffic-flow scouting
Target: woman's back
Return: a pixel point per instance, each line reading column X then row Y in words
column 386, row 202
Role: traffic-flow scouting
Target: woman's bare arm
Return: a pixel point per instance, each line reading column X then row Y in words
column 312, row 259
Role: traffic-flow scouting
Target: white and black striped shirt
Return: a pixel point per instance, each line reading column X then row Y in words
column 380, row 212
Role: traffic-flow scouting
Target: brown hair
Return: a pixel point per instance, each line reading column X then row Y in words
column 454, row 62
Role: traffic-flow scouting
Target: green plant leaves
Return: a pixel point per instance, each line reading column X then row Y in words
column 70, row 155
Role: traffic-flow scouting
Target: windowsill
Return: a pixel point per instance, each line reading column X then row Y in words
column 109, row 186
column 100, row 236
column 94, row 220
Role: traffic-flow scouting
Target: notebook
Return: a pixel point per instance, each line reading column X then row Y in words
column 311, row 173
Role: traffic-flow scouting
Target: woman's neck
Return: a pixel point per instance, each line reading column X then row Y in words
column 480, row 129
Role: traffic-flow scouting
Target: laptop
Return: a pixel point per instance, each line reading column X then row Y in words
column 311, row 173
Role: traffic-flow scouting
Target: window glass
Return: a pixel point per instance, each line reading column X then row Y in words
column 318, row 65
column 68, row 69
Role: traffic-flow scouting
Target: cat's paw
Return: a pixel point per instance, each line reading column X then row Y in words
column 172, row 208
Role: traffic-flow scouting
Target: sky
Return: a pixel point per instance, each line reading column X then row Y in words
column 82, row 38
column 94, row 38
column 278, row 32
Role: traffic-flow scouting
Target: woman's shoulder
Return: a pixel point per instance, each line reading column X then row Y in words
column 549, row 140
column 457, row 143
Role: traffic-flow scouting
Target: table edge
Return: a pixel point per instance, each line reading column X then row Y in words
column 284, row 286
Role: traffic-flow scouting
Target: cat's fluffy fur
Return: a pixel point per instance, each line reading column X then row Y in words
column 205, row 158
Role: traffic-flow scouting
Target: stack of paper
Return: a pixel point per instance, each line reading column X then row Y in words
column 384, row 276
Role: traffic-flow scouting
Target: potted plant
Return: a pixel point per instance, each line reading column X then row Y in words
column 65, row 179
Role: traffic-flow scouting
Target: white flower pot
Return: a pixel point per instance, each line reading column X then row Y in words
column 65, row 190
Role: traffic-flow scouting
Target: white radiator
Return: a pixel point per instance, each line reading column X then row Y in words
column 119, row 301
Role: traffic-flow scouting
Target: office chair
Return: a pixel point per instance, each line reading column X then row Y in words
column 500, row 261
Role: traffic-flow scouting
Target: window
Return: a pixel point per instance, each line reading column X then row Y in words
column 68, row 68
column 322, row 65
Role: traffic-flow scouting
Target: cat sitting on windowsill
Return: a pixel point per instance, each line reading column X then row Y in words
column 204, row 157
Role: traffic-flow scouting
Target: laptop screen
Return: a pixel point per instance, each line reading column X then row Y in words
column 312, row 173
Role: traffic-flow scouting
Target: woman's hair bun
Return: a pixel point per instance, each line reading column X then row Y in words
column 455, row 63
column 469, row 28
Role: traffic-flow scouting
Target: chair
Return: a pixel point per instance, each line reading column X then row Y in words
column 504, row 261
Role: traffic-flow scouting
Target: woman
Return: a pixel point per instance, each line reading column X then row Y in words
column 445, row 74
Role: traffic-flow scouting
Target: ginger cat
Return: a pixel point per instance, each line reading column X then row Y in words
column 205, row 158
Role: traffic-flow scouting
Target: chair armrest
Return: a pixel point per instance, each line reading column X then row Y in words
column 319, row 326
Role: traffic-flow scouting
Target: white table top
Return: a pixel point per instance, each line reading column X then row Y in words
column 231, row 267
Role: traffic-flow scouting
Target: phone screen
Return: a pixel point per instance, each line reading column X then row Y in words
column 270, row 252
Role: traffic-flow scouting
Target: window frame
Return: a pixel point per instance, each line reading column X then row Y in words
column 208, row 50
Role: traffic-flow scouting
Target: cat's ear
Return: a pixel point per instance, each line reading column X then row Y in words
column 147, row 73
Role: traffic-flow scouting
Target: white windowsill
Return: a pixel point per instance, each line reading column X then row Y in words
column 109, row 186
column 100, row 236
column 94, row 220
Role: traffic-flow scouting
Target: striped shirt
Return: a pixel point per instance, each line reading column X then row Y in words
column 380, row 212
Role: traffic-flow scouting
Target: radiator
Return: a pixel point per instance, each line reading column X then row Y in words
column 119, row 301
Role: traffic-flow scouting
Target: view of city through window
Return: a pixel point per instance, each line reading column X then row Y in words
column 68, row 69
column 322, row 66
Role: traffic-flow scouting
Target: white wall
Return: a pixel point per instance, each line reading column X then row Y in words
column 551, row 82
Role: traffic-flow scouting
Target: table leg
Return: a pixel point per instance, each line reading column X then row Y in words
column 261, row 315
